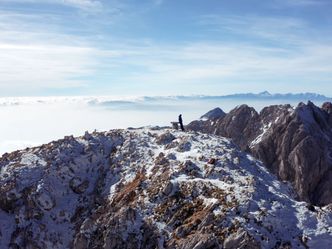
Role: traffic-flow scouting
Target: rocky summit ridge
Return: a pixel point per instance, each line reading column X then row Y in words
column 295, row 143
column 150, row 188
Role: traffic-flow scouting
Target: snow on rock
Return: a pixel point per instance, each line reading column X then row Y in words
column 150, row 188
column 295, row 143
column 265, row 128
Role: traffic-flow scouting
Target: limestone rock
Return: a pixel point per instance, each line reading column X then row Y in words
column 295, row 144
column 241, row 240
column 214, row 114
column 78, row 185
column 124, row 189
column 165, row 138
column 184, row 146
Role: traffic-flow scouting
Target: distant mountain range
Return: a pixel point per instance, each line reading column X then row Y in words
column 267, row 95
column 141, row 101
column 257, row 96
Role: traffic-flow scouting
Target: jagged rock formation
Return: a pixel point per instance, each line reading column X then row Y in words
column 294, row 143
column 214, row 114
column 150, row 188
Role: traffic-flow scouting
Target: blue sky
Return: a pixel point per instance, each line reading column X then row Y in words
column 164, row 47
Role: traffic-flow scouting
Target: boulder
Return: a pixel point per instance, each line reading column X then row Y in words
column 241, row 240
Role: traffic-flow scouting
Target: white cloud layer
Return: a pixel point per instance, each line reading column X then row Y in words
column 35, row 55
column 37, row 52
column 31, row 121
column 44, row 65
column 87, row 5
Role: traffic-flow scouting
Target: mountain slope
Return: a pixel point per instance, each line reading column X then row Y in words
column 294, row 143
column 150, row 188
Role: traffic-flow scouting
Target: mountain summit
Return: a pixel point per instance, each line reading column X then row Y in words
column 150, row 188
column 265, row 94
column 294, row 143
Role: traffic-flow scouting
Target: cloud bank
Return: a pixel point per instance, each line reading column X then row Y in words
column 31, row 121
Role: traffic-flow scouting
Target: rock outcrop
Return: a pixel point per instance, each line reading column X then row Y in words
column 214, row 114
column 294, row 143
column 150, row 188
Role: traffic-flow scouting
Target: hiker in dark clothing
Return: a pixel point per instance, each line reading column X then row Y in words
column 180, row 122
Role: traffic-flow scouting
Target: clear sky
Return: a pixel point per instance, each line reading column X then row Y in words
column 164, row 47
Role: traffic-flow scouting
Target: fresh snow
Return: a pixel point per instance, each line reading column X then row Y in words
column 259, row 138
column 266, row 207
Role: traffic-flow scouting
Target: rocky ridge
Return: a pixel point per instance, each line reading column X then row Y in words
column 150, row 188
column 294, row 143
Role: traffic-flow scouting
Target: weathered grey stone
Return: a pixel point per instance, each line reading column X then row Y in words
column 165, row 138
column 78, row 185
column 184, row 146
column 241, row 240
column 45, row 200
column 295, row 144
column 161, row 160
column 214, row 114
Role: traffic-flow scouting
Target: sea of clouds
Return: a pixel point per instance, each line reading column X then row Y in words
column 32, row 121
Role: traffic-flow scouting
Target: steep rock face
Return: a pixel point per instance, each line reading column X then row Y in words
column 295, row 144
column 241, row 124
column 301, row 148
column 150, row 188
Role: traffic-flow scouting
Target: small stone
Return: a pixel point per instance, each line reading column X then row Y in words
column 171, row 156
column 168, row 189
column 161, row 160
column 311, row 208
column 45, row 200
column 184, row 146
column 165, row 138
column 212, row 161
column 78, row 186
column 240, row 239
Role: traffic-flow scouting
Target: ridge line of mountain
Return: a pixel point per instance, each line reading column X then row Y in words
column 150, row 188
column 295, row 143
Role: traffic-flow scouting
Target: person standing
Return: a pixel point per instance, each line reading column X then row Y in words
column 181, row 122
